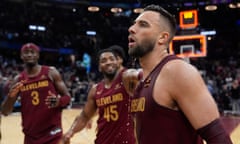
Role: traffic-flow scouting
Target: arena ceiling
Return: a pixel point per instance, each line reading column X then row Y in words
column 66, row 22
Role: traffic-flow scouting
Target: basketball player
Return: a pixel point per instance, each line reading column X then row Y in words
column 109, row 97
column 43, row 96
column 172, row 104
column 121, row 58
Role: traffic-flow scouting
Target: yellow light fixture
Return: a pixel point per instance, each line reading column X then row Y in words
column 138, row 10
column 210, row 7
column 232, row 6
column 116, row 10
column 93, row 9
column 238, row 4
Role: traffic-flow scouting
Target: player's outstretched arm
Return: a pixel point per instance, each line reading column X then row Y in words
column 83, row 118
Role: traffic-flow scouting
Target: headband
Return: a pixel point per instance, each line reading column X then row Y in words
column 30, row 46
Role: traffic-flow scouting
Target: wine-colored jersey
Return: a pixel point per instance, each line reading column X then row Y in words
column 115, row 124
column 40, row 123
column 156, row 124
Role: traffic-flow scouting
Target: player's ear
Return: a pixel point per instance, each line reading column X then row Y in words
column 163, row 38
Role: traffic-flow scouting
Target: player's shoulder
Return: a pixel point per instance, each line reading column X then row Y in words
column 179, row 66
column 50, row 67
column 17, row 78
column 93, row 90
column 179, row 71
column 52, row 72
column 94, row 86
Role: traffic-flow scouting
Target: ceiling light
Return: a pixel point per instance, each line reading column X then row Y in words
column 41, row 28
column 212, row 32
column 93, row 8
column 238, row 4
column 32, row 27
column 91, row 33
column 116, row 10
column 231, row 5
column 138, row 10
column 210, row 7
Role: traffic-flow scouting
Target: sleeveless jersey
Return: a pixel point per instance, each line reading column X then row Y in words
column 115, row 123
column 156, row 124
column 39, row 122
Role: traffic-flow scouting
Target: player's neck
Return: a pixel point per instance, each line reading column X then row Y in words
column 150, row 61
column 107, row 83
column 109, row 80
column 33, row 71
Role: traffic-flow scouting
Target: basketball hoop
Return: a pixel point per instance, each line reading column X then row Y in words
column 186, row 59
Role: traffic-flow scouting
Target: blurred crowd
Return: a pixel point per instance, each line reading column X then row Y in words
column 222, row 77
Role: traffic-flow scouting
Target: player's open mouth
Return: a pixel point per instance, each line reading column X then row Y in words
column 131, row 41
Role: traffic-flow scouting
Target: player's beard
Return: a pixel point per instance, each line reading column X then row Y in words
column 30, row 65
column 111, row 75
column 141, row 50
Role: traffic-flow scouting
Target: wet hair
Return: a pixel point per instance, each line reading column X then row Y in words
column 168, row 16
column 119, row 51
column 103, row 51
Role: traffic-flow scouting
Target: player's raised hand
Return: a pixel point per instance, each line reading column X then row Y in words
column 14, row 90
column 130, row 78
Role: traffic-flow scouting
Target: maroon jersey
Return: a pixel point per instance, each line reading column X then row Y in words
column 115, row 124
column 40, row 123
column 156, row 124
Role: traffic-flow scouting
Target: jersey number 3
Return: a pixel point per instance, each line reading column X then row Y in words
column 35, row 97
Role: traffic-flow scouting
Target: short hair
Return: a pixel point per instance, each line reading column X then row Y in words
column 103, row 51
column 119, row 51
column 169, row 17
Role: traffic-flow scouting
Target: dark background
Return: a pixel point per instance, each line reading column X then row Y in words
column 66, row 29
